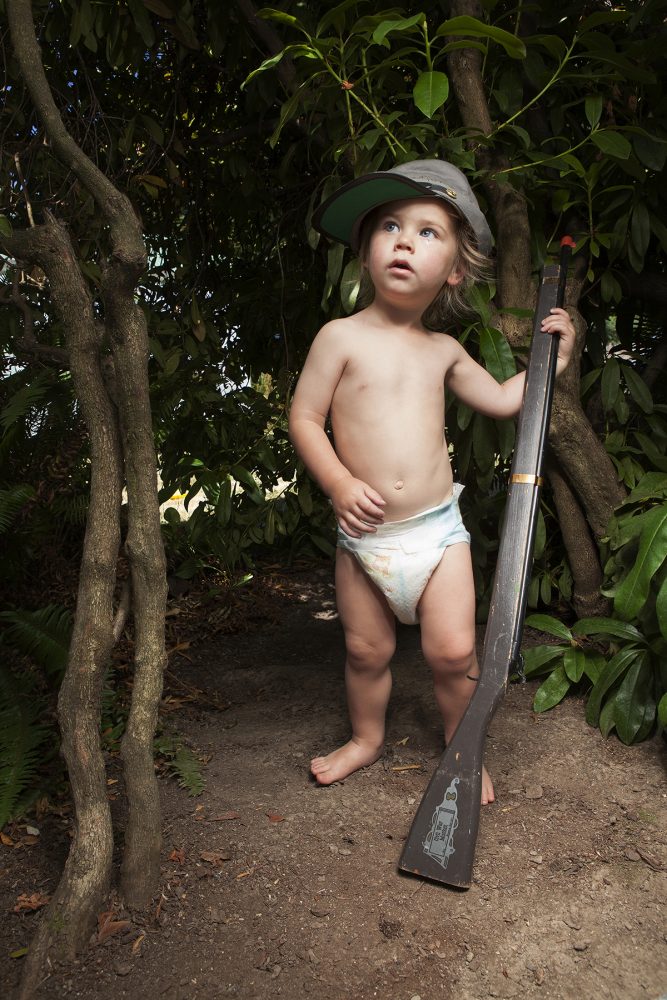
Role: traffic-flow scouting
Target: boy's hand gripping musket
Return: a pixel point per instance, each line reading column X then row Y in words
column 441, row 842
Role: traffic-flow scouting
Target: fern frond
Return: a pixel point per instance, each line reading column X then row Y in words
column 24, row 400
column 181, row 762
column 21, row 741
column 11, row 502
column 71, row 509
column 43, row 634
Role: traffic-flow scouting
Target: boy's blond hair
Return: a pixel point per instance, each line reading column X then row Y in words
column 451, row 303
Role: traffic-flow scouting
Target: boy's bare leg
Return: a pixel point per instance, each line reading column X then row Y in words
column 370, row 640
column 447, row 619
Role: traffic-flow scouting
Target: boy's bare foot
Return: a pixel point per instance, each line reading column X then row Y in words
column 488, row 794
column 342, row 762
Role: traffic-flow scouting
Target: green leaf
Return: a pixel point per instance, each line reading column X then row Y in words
column 638, row 389
column 613, row 670
column 634, row 705
column 574, row 662
column 430, row 92
column 662, row 711
column 640, row 228
column 471, row 26
column 535, row 658
column 5, row 226
column 550, row 625
column 606, row 720
column 350, row 284
column 271, row 14
column 497, row 354
column 551, row 691
column 610, row 384
column 631, row 595
column 612, row 143
column 650, row 487
column 593, row 108
column 661, row 608
column 397, row 24
column 608, row 626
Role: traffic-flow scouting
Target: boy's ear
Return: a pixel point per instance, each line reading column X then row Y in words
column 456, row 276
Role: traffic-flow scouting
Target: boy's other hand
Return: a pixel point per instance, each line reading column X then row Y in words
column 558, row 321
column 357, row 506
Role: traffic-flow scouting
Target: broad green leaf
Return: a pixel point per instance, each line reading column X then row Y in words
column 656, row 457
column 535, row 658
column 606, row 720
column 497, row 354
column 335, row 256
column 613, row 670
column 397, row 24
column 593, row 666
column 662, row 711
column 661, row 608
column 640, row 228
column 593, row 108
column 634, row 704
column 574, row 662
column 465, row 25
column 610, row 385
column 430, row 92
column 651, row 486
column 551, row 691
column 612, row 143
column 271, row 14
column 5, row 226
column 631, row 595
column 483, row 442
column 550, row 625
column 639, row 391
column 540, row 536
column 349, row 285
column 608, row 626
column 263, row 66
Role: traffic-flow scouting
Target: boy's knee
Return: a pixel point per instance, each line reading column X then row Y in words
column 456, row 658
column 368, row 654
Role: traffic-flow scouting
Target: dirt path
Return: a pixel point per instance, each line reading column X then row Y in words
column 273, row 887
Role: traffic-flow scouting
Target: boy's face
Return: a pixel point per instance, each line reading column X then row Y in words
column 413, row 250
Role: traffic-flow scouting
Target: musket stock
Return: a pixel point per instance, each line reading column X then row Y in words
column 442, row 839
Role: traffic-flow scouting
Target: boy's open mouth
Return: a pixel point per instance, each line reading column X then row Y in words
column 401, row 265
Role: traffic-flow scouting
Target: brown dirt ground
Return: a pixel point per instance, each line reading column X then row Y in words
column 298, row 895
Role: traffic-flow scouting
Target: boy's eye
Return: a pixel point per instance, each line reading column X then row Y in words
column 389, row 226
column 429, row 233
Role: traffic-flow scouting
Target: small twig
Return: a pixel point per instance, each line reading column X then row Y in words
column 24, row 188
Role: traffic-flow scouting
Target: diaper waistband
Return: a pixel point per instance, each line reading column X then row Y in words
column 393, row 528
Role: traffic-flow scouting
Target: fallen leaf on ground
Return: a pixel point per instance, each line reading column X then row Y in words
column 137, row 944
column 107, row 926
column 7, row 841
column 276, row 818
column 214, row 857
column 178, row 855
column 33, row 902
column 225, row 816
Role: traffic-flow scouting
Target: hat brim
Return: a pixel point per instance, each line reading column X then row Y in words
column 341, row 215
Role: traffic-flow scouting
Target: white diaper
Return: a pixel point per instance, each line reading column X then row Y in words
column 401, row 556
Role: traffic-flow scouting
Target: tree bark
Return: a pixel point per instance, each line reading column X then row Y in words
column 581, row 549
column 84, row 884
column 79, row 894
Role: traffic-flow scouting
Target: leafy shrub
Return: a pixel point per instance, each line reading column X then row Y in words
column 622, row 659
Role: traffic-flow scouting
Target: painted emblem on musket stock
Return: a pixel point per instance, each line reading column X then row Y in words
column 438, row 844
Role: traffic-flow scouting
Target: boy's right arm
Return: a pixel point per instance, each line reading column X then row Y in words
column 357, row 505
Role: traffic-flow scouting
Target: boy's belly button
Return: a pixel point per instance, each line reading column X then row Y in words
column 398, row 485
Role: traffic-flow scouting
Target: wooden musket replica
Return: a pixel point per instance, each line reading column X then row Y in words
column 441, row 842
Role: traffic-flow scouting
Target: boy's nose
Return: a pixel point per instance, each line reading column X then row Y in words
column 403, row 241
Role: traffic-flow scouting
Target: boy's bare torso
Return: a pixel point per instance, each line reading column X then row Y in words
column 387, row 412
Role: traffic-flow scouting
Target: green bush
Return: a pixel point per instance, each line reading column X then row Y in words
column 621, row 661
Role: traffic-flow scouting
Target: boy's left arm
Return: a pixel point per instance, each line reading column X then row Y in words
column 473, row 384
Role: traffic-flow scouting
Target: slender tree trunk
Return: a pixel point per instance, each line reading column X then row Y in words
column 129, row 339
column 84, row 884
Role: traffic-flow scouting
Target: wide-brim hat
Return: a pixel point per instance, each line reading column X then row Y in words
column 340, row 216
